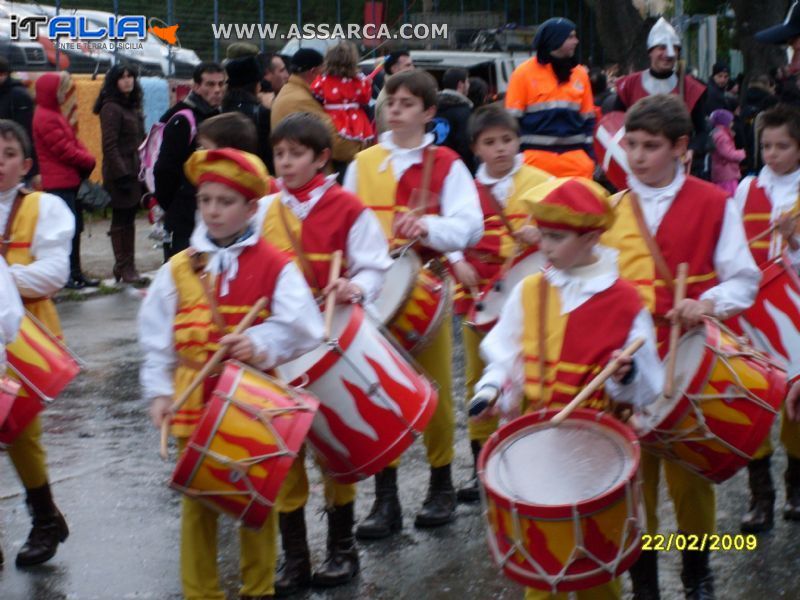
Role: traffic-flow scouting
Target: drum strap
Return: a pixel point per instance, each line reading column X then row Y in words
column 198, row 261
column 652, row 246
column 6, row 241
column 297, row 247
column 544, row 289
column 427, row 172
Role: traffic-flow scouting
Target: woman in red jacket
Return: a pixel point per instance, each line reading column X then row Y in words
column 63, row 160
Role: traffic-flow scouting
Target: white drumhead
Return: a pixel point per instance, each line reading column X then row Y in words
column 398, row 282
column 293, row 369
column 492, row 303
column 556, row 466
column 691, row 348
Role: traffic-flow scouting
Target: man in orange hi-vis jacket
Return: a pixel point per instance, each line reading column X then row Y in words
column 551, row 96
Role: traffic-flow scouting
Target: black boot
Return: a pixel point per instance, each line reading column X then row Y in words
column 791, row 510
column 762, row 497
column 471, row 492
column 439, row 507
column 77, row 280
column 341, row 563
column 294, row 572
column 644, row 576
column 386, row 516
column 49, row 528
column 698, row 582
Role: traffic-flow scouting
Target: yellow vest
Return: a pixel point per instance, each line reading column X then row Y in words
column 377, row 189
column 516, row 212
column 195, row 337
column 636, row 264
column 23, row 230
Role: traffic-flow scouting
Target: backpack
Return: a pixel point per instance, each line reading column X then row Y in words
column 150, row 147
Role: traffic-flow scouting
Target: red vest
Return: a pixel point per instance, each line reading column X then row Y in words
column 321, row 233
column 630, row 90
column 756, row 215
column 573, row 359
column 689, row 233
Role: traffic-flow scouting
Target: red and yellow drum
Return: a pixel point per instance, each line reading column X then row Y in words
column 415, row 300
column 43, row 365
column 727, row 396
column 563, row 503
column 484, row 314
column 240, row 452
column 373, row 403
column 8, row 394
column 773, row 322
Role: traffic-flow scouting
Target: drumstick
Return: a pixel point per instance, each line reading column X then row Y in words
column 675, row 332
column 771, row 228
column 598, row 381
column 330, row 300
column 215, row 359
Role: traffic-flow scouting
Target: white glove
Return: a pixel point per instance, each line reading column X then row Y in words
column 483, row 399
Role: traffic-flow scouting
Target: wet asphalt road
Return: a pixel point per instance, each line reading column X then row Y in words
column 111, row 484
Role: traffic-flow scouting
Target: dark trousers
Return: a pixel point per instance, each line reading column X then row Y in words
column 70, row 197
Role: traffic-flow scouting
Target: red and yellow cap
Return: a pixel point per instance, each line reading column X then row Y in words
column 571, row 203
column 236, row 169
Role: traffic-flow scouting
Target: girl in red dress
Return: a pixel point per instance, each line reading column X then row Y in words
column 343, row 91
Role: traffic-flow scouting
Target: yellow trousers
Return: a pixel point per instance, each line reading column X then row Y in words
column 294, row 490
column 694, row 497
column 29, row 457
column 473, row 369
column 437, row 361
column 257, row 553
column 608, row 591
column 790, row 439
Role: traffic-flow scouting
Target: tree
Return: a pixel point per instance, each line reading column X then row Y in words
column 752, row 17
column 622, row 32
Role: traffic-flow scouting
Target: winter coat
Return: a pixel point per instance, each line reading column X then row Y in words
column 16, row 104
column 456, row 109
column 63, row 159
column 726, row 157
column 173, row 191
column 249, row 105
column 295, row 96
column 122, row 128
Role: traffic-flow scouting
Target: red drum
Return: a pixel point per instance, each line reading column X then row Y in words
column 563, row 503
column 43, row 365
column 8, row 394
column 249, row 435
column 610, row 152
column 415, row 300
column 484, row 314
column 773, row 322
column 373, row 403
column 727, row 396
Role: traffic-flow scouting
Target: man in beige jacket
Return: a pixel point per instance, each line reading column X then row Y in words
column 295, row 96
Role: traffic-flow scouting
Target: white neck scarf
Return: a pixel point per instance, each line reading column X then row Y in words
column 503, row 187
column 302, row 209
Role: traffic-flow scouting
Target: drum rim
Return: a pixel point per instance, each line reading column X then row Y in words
column 443, row 310
column 328, row 359
column 489, row 287
column 255, row 513
column 564, row 511
column 406, row 297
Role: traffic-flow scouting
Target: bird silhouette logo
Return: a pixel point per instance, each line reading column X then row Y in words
column 166, row 33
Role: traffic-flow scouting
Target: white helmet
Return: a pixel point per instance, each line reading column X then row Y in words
column 663, row 34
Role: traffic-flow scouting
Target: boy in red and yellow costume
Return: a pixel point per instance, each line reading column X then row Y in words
column 665, row 219
column 502, row 180
column 196, row 299
column 580, row 291
column 311, row 218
